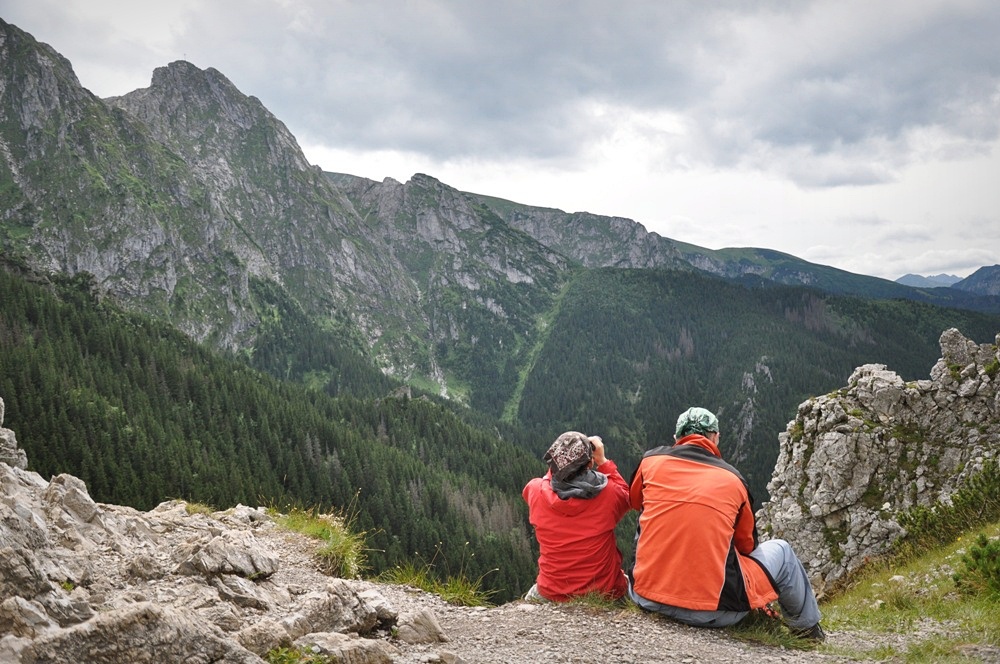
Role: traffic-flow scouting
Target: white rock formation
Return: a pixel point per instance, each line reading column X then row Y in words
column 852, row 461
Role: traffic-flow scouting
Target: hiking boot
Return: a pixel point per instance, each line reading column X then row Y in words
column 814, row 633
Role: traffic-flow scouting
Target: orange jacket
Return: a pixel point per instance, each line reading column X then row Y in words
column 696, row 527
column 576, row 537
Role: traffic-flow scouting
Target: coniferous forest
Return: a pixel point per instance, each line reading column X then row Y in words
column 629, row 350
column 142, row 414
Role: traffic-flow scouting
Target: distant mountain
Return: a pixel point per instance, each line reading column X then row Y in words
column 597, row 241
column 984, row 281
column 934, row 281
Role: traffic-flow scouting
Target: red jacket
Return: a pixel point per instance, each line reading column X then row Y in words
column 696, row 527
column 576, row 537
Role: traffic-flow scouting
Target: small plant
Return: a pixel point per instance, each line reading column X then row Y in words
column 797, row 431
column 766, row 628
column 296, row 656
column 910, row 433
column 198, row 508
column 992, row 368
column 67, row 585
column 981, row 574
column 973, row 505
column 342, row 552
column 455, row 589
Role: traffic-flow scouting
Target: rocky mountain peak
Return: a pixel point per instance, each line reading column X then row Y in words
column 203, row 116
column 852, row 461
column 39, row 94
column 984, row 281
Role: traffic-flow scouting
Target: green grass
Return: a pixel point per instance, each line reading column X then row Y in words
column 918, row 597
column 198, row 508
column 456, row 589
column 763, row 629
column 341, row 551
column 296, row 656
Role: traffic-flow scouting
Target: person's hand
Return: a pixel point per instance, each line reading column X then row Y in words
column 598, row 444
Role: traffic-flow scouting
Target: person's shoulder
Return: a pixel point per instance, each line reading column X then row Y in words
column 661, row 450
column 534, row 484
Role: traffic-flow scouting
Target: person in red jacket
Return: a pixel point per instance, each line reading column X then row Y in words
column 698, row 558
column 574, row 509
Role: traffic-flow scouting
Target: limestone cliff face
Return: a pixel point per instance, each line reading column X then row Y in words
column 10, row 453
column 184, row 197
column 852, row 461
column 593, row 240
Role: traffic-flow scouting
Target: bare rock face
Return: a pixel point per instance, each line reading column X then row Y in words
column 852, row 461
column 10, row 454
column 85, row 581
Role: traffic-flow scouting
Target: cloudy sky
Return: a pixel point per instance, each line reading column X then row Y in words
column 863, row 134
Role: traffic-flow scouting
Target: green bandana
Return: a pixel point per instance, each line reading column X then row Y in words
column 696, row 420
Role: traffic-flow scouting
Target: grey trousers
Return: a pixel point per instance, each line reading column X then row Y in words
column 795, row 595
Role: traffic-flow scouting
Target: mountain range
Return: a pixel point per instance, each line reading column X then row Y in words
column 188, row 202
column 933, row 281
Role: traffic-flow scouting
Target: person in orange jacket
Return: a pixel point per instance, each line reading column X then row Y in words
column 698, row 558
column 574, row 509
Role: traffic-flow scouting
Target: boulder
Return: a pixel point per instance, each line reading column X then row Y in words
column 852, row 461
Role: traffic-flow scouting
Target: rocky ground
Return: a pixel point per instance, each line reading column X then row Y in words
column 523, row 632
column 529, row 632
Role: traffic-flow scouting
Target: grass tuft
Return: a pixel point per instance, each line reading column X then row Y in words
column 342, row 549
column 456, row 589
column 199, row 508
column 761, row 628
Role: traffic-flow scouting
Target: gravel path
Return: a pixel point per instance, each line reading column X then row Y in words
column 527, row 632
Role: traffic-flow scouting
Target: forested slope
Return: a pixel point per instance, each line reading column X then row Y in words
column 628, row 350
column 142, row 414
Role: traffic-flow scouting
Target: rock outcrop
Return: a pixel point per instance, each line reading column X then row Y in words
column 10, row 454
column 851, row 462
column 82, row 581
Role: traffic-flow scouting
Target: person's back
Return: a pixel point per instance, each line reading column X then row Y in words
column 688, row 551
column 574, row 509
column 697, row 557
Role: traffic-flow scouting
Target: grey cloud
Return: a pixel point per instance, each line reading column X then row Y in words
column 756, row 87
column 455, row 78
column 942, row 75
column 861, row 102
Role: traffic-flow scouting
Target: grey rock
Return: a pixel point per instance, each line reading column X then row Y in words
column 228, row 553
column 10, row 453
column 851, row 462
column 140, row 633
column 23, row 617
column 85, row 581
column 420, row 626
column 347, row 648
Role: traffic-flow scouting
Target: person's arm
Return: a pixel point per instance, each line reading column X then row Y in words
column 616, row 483
column 635, row 491
column 529, row 489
